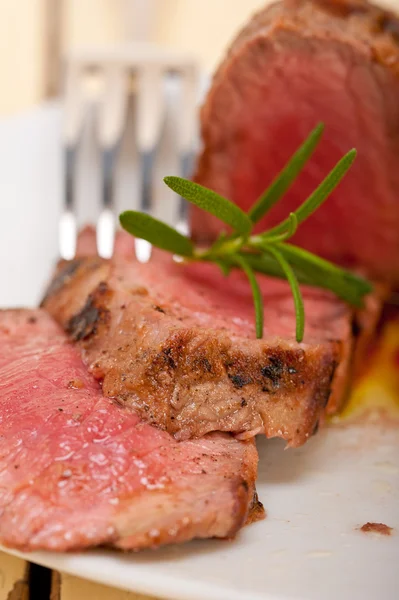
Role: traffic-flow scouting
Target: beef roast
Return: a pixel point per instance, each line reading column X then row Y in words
column 78, row 470
column 297, row 63
column 177, row 343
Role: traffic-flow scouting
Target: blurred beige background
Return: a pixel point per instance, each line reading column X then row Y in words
column 202, row 27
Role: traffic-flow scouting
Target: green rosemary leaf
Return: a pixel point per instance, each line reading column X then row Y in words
column 312, row 270
column 287, row 176
column 292, row 225
column 216, row 205
column 266, row 252
column 156, row 232
column 224, row 267
column 346, row 285
column 266, row 264
column 257, row 295
column 321, row 193
column 307, row 259
column 296, row 292
column 218, row 243
column 229, row 243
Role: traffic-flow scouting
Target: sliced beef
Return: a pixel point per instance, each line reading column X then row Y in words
column 177, row 343
column 79, row 470
column 297, row 63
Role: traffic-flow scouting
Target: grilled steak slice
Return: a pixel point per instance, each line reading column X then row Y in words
column 295, row 64
column 178, row 345
column 78, row 470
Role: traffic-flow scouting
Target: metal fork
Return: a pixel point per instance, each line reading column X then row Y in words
column 143, row 71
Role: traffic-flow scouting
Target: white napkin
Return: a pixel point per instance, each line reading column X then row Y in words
column 30, row 197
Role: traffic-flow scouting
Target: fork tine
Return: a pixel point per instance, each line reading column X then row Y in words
column 74, row 113
column 105, row 230
column 67, row 224
column 183, row 223
column 111, row 120
column 150, row 67
column 149, row 120
column 189, row 80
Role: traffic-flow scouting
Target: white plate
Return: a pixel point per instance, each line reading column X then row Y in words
column 309, row 547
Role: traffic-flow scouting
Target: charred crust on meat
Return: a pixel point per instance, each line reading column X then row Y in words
column 244, row 502
column 239, row 380
column 245, row 485
column 195, row 361
column 388, row 23
column 256, row 510
column 356, row 327
column 187, row 362
column 255, row 500
column 377, row 24
column 102, row 288
column 328, row 391
column 168, row 359
column 167, row 353
column 85, row 323
column 343, row 8
column 159, row 309
column 207, row 365
column 66, row 272
column 274, row 370
column 115, row 400
column 202, row 364
column 327, row 396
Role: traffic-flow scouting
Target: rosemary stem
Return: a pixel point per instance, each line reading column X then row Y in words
column 268, row 252
column 220, row 250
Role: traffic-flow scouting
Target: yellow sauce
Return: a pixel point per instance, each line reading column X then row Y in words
column 378, row 389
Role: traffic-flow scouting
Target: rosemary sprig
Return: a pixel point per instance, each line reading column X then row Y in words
column 257, row 294
column 287, row 176
column 267, row 252
column 296, row 292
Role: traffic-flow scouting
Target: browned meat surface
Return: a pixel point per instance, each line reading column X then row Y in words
column 78, row 470
column 178, row 345
column 297, row 63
